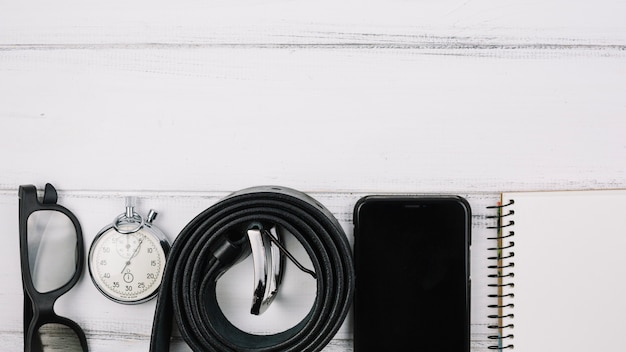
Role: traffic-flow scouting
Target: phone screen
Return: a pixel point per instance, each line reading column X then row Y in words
column 412, row 274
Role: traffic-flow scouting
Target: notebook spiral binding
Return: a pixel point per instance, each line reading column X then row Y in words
column 503, row 264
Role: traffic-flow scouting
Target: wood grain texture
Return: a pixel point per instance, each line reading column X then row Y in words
column 395, row 120
column 181, row 103
column 396, row 96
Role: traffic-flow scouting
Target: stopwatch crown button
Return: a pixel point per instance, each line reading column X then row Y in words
column 152, row 214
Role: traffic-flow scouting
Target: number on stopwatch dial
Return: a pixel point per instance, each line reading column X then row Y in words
column 127, row 267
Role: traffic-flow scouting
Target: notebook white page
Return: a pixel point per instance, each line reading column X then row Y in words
column 570, row 270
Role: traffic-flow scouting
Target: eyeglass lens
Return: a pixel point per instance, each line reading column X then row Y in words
column 52, row 249
column 56, row 337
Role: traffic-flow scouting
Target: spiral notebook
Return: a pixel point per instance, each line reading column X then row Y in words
column 561, row 271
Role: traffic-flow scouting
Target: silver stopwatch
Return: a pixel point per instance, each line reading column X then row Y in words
column 127, row 257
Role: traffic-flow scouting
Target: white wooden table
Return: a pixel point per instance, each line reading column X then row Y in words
column 180, row 103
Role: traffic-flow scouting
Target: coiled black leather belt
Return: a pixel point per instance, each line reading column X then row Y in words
column 211, row 243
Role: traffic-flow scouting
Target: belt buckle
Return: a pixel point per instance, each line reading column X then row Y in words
column 269, row 264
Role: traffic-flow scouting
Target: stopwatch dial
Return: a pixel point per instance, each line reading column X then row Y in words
column 127, row 267
column 125, row 245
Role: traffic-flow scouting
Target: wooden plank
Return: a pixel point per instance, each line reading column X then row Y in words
column 396, row 96
column 326, row 21
column 110, row 326
column 312, row 118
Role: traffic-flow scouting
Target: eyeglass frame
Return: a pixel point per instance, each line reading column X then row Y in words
column 39, row 307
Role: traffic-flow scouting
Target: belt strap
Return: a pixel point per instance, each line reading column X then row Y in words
column 211, row 243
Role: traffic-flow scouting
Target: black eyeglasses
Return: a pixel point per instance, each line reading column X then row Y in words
column 52, row 255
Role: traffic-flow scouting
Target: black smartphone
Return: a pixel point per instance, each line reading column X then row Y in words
column 412, row 274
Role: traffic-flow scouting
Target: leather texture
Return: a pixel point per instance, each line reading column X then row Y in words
column 213, row 241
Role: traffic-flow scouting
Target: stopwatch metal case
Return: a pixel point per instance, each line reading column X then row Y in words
column 128, row 224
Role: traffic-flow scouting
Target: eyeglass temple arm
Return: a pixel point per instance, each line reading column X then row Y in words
column 49, row 194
